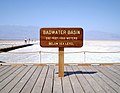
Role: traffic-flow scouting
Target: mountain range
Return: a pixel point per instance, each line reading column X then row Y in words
column 16, row 32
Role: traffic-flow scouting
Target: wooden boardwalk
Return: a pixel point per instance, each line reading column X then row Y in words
column 44, row 79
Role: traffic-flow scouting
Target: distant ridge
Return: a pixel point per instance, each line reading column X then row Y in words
column 99, row 35
column 16, row 32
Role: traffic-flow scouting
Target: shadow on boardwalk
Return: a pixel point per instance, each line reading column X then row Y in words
column 68, row 73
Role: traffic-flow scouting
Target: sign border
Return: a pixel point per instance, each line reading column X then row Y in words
column 56, row 46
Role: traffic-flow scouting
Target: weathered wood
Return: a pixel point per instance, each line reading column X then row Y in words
column 8, row 73
column 30, row 84
column 113, row 78
column 38, row 87
column 100, row 81
column 57, row 88
column 25, row 76
column 44, row 79
column 117, row 67
column 67, row 88
column 77, row 88
column 10, row 78
column 3, row 68
column 48, row 87
column 114, row 70
column 97, row 88
column 6, row 70
column 83, row 81
column 13, row 85
column 107, row 80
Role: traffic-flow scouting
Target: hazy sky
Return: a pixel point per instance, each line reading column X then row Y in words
column 98, row 15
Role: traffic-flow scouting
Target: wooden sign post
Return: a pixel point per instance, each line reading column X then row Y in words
column 61, row 38
column 61, row 62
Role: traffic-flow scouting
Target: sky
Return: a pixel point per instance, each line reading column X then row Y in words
column 97, row 15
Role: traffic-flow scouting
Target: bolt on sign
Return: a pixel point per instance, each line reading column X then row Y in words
column 61, row 38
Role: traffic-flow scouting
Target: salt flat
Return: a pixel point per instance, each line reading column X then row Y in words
column 91, row 52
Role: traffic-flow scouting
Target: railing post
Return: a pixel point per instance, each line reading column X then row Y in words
column 40, row 56
column 84, row 57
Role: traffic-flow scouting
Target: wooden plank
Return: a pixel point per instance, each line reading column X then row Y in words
column 6, row 70
column 10, row 78
column 22, row 83
column 67, row 88
column 109, row 75
column 74, row 81
column 8, row 73
column 40, row 81
column 97, row 88
column 15, row 81
column 30, row 84
column 112, row 72
column 100, row 81
column 57, row 88
column 107, row 80
column 83, row 81
column 48, row 87
column 116, row 67
column 35, row 79
column 3, row 68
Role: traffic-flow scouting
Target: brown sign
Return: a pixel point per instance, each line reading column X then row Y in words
column 61, row 37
